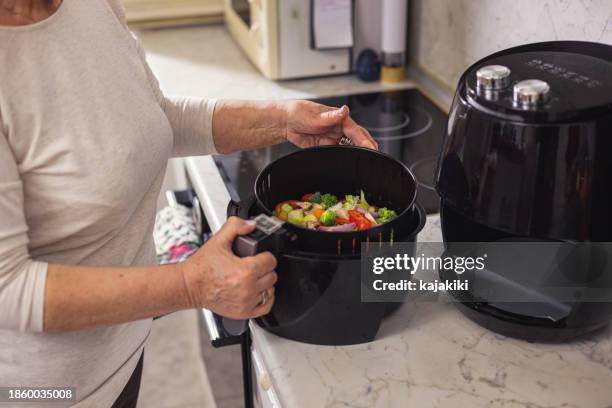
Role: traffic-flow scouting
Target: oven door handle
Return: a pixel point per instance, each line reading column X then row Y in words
column 217, row 333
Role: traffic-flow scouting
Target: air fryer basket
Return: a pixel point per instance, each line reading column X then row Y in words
column 341, row 170
column 318, row 293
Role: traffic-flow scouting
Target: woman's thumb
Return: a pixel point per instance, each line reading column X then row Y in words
column 235, row 226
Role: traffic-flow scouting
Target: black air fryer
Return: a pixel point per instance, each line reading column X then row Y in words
column 527, row 158
column 318, row 293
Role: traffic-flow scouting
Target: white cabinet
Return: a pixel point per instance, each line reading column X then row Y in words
column 151, row 11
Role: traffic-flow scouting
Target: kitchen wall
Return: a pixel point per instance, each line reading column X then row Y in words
column 446, row 36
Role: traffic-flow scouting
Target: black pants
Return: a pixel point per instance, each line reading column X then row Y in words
column 129, row 395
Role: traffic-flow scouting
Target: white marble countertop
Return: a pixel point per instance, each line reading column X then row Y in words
column 426, row 354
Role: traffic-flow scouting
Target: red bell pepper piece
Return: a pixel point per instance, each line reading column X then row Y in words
column 359, row 219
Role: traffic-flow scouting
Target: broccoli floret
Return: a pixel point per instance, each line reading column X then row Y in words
column 385, row 215
column 315, row 198
column 327, row 200
column 351, row 199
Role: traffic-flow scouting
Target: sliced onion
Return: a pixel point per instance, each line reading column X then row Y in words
column 339, row 228
column 335, row 207
column 342, row 213
column 370, row 218
column 361, row 210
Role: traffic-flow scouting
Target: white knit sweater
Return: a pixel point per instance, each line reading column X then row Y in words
column 85, row 134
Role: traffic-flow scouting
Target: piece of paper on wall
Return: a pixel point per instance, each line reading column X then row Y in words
column 332, row 23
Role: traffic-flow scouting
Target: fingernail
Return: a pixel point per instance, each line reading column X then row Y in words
column 342, row 110
column 250, row 222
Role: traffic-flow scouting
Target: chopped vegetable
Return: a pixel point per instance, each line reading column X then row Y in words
column 310, row 221
column 361, row 210
column 327, row 200
column 328, row 218
column 310, row 217
column 342, row 213
column 385, row 215
column 362, row 201
column 311, row 224
column 286, row 208
column 336, row 207
column 325, row 212
column 315, row 198
column 291, row 203
column 306, row 206
column 296, row 217
column 359, row 219
column 305, row 197
column 370, row 218
column 341, row 221
column 318, row 212
column 339, row 228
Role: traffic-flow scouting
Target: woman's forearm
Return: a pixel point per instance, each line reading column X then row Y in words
column 79, row 297
column 245, row 125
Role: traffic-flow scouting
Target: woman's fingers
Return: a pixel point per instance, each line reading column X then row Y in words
column 260, row 264
column 267, row 281
column 249, row 307
column 359, row 136
column 327, row 141
column 262, row 309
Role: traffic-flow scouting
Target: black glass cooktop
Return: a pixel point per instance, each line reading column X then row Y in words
column 405, row 123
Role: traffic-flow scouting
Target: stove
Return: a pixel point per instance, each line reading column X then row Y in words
column 406, row 125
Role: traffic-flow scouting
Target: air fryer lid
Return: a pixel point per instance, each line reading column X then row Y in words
column 546, row 82
column 341, row 170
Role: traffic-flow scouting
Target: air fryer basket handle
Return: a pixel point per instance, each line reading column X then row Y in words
column 249, row 245
column 233, row 326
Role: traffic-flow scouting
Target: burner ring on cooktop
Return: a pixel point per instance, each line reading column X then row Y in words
column 394, row 125
column 424, row 171
column 400, row 119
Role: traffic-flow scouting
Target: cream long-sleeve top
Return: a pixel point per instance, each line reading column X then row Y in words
column 85, row 135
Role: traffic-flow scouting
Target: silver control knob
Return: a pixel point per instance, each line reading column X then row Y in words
column 493, row 77
column 531, row 92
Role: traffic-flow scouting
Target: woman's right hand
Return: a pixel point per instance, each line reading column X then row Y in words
column 230, row 286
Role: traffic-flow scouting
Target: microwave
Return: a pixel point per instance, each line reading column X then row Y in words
column 276, row 36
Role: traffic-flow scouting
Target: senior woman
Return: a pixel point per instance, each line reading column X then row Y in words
column 85, row 134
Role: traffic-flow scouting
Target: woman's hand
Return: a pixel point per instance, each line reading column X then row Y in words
column 311, row 124
column 218, row 280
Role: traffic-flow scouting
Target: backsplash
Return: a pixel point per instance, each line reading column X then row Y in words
column 446, row 36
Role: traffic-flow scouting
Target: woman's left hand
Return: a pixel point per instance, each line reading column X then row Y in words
column 311, row 124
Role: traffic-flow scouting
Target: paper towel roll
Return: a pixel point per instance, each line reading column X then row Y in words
column 394, row 21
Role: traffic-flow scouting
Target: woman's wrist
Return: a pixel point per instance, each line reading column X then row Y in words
column 185, row 290
column 283, row 115
column 270, row 124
